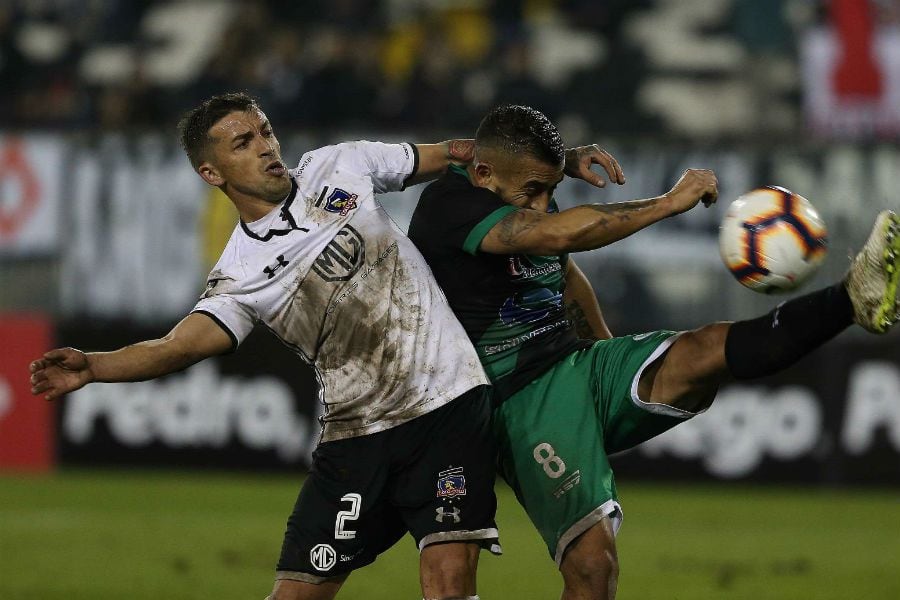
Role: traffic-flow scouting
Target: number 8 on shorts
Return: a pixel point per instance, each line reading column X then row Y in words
column 546, row 457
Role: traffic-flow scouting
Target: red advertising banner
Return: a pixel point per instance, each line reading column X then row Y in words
column 26, row 423
column 850, row 68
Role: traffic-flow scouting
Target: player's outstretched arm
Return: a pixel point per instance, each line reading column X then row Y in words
column 435, row 159
column 582, row 307
column 593, row 226
column 65, row 370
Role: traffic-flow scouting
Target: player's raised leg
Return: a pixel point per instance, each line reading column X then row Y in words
column 688, row 375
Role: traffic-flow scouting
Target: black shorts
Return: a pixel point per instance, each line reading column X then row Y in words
column 432, row 476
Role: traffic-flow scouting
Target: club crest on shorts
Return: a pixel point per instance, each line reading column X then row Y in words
column 451, row 483
column 322, row 557
column 341, row 202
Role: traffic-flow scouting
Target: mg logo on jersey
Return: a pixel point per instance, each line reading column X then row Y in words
column 441, row 513
column 322, row 557
column 342, row 257
column 341, row 202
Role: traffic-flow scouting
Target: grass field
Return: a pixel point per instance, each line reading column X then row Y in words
column 142, row 535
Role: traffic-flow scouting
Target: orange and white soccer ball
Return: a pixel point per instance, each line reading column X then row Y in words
column 772, row 240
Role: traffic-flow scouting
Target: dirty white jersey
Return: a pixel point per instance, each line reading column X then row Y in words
column 333, row 276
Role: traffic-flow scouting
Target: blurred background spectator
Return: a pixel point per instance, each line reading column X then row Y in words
column 756, row 89
column 346, row 63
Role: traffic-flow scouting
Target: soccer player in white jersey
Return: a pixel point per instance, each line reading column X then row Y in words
column 405, row 442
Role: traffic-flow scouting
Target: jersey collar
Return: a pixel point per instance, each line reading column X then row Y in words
column 273, row 224
column 460, row 171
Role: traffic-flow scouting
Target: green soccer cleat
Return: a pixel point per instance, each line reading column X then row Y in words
column 874, row 275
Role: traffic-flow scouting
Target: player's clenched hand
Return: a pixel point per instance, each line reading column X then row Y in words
column 579, row 161
column 59, row 372
column 695, row 185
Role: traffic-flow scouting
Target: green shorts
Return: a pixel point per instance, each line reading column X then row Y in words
column 555, row 434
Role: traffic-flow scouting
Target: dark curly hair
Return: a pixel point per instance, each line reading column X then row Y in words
column 193, row 128
column 516, row 129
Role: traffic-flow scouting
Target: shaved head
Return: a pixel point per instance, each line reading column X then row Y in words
column 514, row 130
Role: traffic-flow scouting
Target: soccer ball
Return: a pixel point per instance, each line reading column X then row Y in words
column 772, row 240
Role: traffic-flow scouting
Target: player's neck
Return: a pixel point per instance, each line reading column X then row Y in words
column 251, row 208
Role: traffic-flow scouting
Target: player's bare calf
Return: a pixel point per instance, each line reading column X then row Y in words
column 590, row 569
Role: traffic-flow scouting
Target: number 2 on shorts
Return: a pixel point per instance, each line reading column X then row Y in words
column 546, row 456
column 347, row 515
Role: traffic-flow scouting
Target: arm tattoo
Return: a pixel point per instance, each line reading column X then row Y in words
column 621, row 210
column 576, row 317
column 517, row 223
column 461, row 150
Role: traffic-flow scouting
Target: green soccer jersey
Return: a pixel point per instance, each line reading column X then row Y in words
column 566, row 403
column 510, row 305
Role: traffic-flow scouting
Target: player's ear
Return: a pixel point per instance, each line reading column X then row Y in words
column 210, row 174
column 484, row 173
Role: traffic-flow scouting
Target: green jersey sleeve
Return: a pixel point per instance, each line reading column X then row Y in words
column 454, row 213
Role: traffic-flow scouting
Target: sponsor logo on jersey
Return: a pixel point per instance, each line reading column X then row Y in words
column 349, row 557
column 521, row 339
column 522, row 267
column 341, row 202
column 441, row 513
column 212, row 283
column 299, row 172
column 271, row 269
column 342, row 257
column 210, row 286
column 514, row 267
column 567, row 484
column 322, row 557
column 530, row 306
column 451, row 483
column 365, row 273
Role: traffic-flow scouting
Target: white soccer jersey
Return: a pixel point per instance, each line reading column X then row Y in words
column 333, row 276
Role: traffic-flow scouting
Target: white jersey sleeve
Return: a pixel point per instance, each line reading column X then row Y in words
column 226, row 302
column 235, row 318
column 388, row 165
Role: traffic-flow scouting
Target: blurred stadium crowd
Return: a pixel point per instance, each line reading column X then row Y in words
column 409, row 64
column 755, row 89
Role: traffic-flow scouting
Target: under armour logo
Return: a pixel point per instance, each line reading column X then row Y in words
column 441, row 514
column 270, row 270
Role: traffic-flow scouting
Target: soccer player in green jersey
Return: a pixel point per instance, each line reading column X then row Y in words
column 499, row 248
